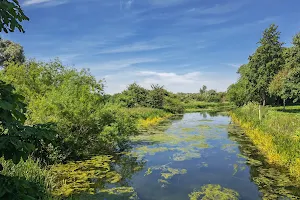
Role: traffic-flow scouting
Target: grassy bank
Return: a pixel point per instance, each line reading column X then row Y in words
column 277, row 135
column 201, row 106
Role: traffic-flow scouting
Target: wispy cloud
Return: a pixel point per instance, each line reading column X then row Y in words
column 132, row 48
column 44, row 2
column 118, row 64
column 219, row 8
column 235, row 65
column 126, row 4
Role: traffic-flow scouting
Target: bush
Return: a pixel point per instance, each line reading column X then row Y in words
column 173, row 105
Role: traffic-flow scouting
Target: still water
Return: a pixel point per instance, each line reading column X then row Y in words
column 199, row 156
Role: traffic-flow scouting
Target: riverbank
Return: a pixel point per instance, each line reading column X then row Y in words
column 277, row 135
column 202, row 106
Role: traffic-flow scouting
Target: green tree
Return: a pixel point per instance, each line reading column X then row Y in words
column 10, row 52
column 11, row 15
column 157, row 95
column 203, row 89
column 265, row 63
column 277, row 86
column 136, row 95
column 16, row 139
column 286, row 83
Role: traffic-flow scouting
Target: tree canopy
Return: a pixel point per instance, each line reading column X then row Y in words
column 271, row 73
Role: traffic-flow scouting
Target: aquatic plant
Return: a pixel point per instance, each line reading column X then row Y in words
column 203, row 164
column 230, row 148
column 186, row 155
column 204, row 126
column 76, row 177
column 211, row 192
column 121, row 191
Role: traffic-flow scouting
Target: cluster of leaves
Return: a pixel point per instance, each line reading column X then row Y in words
column 16, row 139
column 11, row 14
column 272, row 73
column 157, row 97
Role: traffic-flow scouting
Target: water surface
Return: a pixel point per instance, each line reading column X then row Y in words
column 196, row 151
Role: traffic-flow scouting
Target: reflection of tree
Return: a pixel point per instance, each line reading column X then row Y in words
column 127, row 166
column 204, row 115
column 273, row 183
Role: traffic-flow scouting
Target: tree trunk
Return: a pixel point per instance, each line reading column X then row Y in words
column 259, row 113
column 283, row 104
column 264, row 99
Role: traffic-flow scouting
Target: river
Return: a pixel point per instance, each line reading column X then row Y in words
column 198, row 156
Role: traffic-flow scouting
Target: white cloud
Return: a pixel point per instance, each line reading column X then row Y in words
column 188, row 82
column 132, row 48
column 46, row 2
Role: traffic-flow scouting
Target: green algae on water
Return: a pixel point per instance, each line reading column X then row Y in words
column 203, row 164
column 187, row 129
column 119, row 193
column 186, row 156
column 230, row 148
column 204, row 126
column 211, row 192
column 148, row 172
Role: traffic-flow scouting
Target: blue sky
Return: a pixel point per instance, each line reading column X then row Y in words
column 181, row 44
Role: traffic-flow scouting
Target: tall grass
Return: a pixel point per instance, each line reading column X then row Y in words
column 277, row 135
column 27, row 174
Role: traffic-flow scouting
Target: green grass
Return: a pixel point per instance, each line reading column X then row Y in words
column 282, row 130
column 145, row 113
column 27, row 178
column 200, row 106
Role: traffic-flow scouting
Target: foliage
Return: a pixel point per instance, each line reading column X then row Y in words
column 158, row 98
column 11, row 15
column 16, row 139
column 271, row 74
column 25, row 180
column 203, row 95
column 196, row 106
column 10, row 52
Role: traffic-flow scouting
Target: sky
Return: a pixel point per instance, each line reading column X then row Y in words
column 181, row 44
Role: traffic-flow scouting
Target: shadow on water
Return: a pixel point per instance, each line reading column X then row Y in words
column 272, row 182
